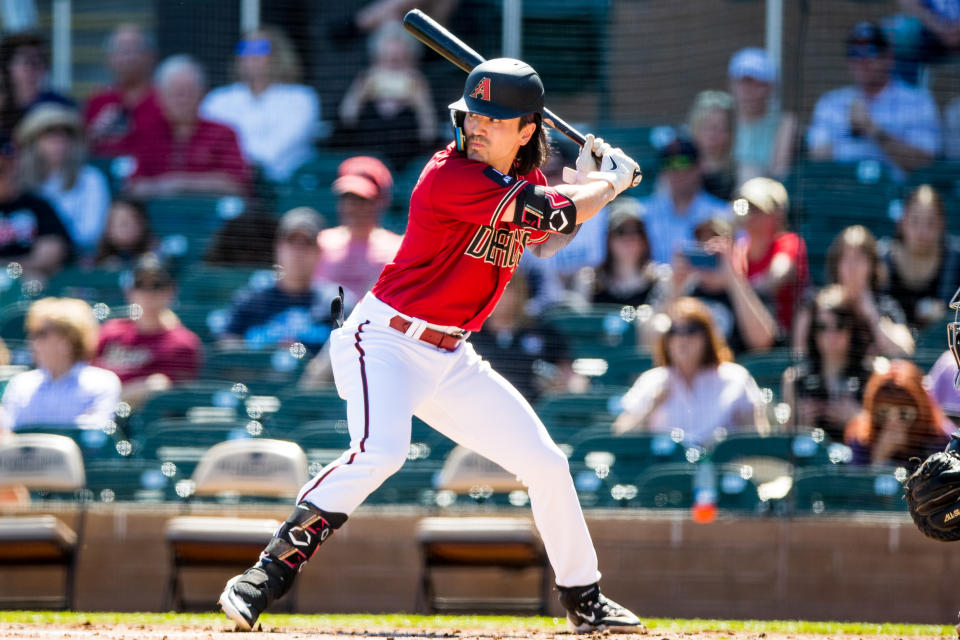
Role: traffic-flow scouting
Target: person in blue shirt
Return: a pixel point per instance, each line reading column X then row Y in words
column 291, row 310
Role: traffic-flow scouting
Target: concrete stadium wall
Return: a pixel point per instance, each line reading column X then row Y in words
column 870, row 568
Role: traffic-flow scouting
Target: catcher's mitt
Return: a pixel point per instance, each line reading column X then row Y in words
column 933, row 494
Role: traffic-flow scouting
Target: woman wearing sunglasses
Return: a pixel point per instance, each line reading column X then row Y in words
column 825, row 388
column 627, row 275
column 899, row 419
column 695, row 386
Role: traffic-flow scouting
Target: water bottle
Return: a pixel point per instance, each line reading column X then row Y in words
column 704, row 493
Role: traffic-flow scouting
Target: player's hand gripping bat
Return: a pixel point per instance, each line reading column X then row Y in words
column 437, row 37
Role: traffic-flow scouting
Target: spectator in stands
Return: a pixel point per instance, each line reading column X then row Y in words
column 31, row 233
column 942, row 376
column 712, row 119
column 291, row 310
column 354, row 253
column 926, row 32
column 879, row 117
column 389, row 106
column 627, row 275
column 116, row 113
column 274, row 116
column 53, row 163
column 825, row 388
column 152, row 351
column 126, row 236
column 672, row 213
column 245, row 240
column 716, row 281
column 24, row 66
column 695, row 385
column 764, row 137
column 531, row 355
column 64, row 388
column 184, row 153
column 853, row 261
column 375, row 14
column 922, row 261
column 774, row 260
column 899, row 419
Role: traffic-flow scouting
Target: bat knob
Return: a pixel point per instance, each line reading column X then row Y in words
column 637, row 177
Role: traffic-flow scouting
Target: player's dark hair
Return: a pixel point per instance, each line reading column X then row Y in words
column 536, row 152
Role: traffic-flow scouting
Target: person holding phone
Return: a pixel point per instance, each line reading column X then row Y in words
column 705, row 270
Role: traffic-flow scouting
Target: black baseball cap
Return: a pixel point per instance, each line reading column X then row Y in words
column 151, row 273
column 679, row 153
column 866, row 40
column 501, row 88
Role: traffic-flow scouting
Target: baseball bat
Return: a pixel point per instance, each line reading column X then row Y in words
column 440, row 39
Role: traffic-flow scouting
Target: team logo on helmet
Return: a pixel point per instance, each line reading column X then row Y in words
column 482, row 90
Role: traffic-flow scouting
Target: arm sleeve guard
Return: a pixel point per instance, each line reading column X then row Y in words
column 544, row 209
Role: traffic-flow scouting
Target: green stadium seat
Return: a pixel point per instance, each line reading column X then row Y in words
column 767, row 367
column 671, row 486
column 568, row 414
column 839, row 489
column 802, row 449
column 130, row 479
column 219, row 286
column 309, row 186
column 827, row 197
column 625, row 367
column 186, row 225
column 95, row 444
column 265, row 370
column 598, row 332
column 92, row 285
column 12, row 318
column 625, row 455
column 178, row 401
column 299, row 406
column 183, row 441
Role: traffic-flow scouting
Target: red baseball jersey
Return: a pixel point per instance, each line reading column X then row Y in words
column 456, row 258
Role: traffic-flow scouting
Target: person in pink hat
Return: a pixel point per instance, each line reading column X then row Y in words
column 353, row 253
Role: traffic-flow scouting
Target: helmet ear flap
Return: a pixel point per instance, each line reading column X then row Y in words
column 457, row 119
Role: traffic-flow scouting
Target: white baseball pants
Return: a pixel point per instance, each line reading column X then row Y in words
column 386, row 377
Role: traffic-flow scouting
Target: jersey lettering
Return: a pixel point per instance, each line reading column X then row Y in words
column 482, row 90
column 500, row 247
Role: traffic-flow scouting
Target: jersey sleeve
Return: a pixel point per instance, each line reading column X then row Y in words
column 473, row 191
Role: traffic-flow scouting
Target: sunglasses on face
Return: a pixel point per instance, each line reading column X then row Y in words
column 904, row 413
column 151, row 286
column 690, row 329
column 622, row 232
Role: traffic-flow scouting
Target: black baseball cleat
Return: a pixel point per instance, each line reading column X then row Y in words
column 249, row 594
column 588, row 611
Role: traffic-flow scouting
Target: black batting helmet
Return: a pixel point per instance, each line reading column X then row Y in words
column 502, row 88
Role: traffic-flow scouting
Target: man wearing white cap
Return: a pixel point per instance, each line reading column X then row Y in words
column 763, row 142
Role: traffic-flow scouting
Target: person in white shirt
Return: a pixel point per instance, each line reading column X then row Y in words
column 695, row 387
column 52, row 164
column 64, row 388
column 877, row 118
column 275, row 117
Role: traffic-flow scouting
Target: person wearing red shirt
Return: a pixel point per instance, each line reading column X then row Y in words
column 774, row 260
column 404, row 349
column 151, row 352
column 183, row 153
column 113, row 115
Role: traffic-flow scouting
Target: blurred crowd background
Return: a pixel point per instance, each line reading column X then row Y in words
column 183, row 187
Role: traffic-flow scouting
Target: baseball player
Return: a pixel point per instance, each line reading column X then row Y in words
column 404, row 350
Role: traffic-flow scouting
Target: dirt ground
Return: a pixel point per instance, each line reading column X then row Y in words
column 216, row 632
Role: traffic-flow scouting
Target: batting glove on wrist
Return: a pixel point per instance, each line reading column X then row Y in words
column 589, row 160
column 618, row 169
